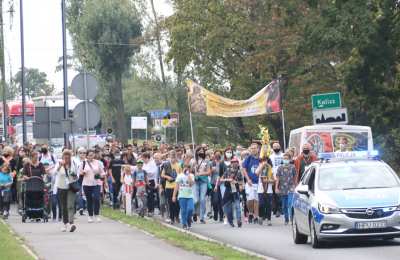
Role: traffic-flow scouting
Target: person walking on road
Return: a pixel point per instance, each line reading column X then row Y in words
column 250, row 166
column 184, row 189
column 92, row 172
column 115, row 172
column 170, row 171
column 66, row 173
column 285, row 184
column 265, row 190
column 152, row 174
column 217, row 170
column 304, row 160
column 6, row 181
column 276, row 160
column 202, row 171
column 140, row 181
column 233, row 181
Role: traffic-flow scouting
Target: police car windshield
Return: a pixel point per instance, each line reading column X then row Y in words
column 349, row 177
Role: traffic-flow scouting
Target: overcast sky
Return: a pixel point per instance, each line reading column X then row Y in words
column 43, row 37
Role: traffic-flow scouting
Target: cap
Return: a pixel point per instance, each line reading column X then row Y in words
column 139, row 161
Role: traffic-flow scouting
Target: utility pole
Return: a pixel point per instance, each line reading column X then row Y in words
column 3, row 73
column 21, row 20
column 65, row 75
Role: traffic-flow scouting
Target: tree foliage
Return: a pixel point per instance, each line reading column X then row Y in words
column 36, row 84
column 104, row 34
column 317, row 46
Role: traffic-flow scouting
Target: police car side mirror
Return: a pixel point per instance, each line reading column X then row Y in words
column 303, row 190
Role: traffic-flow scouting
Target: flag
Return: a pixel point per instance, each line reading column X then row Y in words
column 265, row 101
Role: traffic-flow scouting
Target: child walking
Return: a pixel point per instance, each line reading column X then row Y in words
column 140, row 182
column 6, row 180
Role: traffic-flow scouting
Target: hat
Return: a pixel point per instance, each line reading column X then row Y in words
column 234, row 159
column 139, row 161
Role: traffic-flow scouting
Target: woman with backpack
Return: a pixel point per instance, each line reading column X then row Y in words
column 92, row 171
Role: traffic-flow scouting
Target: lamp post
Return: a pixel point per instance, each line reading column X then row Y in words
column 21, row 20
column 65, row 76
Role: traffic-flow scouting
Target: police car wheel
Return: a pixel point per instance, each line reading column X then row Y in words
column 298, row 238
column 315, row 242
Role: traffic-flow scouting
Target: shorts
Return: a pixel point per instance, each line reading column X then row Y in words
column 251, row 191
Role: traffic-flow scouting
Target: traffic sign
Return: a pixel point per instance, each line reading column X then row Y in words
column 139, row 122
column 82, row 83
column 330, row 116
column 326, row 101
column 80, row 116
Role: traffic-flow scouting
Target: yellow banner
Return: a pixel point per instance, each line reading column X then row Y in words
column 267, row 100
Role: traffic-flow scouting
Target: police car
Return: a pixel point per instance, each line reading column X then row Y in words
column 346, row 195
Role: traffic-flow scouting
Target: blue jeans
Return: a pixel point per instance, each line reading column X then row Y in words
column 233, row 206
column 199, row 199
column 287, row 201
column 92, row 194
column 187, row 206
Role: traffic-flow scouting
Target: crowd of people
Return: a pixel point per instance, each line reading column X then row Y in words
column 179, row 183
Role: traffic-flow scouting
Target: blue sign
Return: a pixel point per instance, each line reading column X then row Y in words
column 159, row 113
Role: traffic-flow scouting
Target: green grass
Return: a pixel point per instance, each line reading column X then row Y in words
column 176, row 238
column 10, row 247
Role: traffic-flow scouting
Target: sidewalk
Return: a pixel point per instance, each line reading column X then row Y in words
column 108, row 240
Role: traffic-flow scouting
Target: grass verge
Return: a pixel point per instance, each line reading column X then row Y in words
column 176, row 238
column 10, row 248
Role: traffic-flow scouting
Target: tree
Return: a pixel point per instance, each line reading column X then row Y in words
column 36, row 84
column 104, row 35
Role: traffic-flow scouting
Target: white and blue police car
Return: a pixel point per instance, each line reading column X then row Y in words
column 346, row 195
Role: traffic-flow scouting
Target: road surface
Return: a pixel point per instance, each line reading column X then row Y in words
column 108, row 240
column 276, row 241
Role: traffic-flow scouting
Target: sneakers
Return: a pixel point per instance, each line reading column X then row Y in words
column 239, row 224
column 269, row 223
column 72, row 228
column 185, row 227
column 202, row 221
column 81, row 212
column 255, row 221
column 260, row 222
column 251, row 219
column 90, row 219
column 98, row 219
column 63, row 228
column 194, row 218
column 225, row 221
column 231, row 224
column 5, row 214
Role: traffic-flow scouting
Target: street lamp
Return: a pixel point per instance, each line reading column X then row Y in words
column 21, row 20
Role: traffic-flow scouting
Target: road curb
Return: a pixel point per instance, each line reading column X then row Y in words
column 203, row 237
column 22, row 242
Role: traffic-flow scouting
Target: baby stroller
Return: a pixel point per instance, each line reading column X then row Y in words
column 34, row 200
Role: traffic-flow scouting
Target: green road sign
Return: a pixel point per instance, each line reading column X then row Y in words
column 327, row 100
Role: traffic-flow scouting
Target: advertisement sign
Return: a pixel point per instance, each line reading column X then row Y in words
column 265, row 101
column 138, row 122
column 168, row 122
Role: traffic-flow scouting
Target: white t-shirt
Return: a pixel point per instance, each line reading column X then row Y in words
column 151, row 169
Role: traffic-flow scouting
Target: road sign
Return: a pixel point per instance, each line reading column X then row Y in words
column 139, row 122
column 80, row 118
column 326, row 101
column 159, row 113
column 78, row 86
column 330, row 116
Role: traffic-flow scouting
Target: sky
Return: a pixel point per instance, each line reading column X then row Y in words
column 42, row 37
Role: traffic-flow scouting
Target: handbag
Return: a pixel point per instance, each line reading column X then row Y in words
column 74, row 186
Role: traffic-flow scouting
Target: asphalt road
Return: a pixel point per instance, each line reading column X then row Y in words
column 276, row 241
column 108, row 240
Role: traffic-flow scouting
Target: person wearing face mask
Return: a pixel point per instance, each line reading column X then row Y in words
column 285, row 185
column 48, row 159
column 276, row 159
column 303, row 160
column 217, row 170
column 115, row 172
column 202, row 169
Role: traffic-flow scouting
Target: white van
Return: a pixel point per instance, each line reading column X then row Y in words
column 332, row 138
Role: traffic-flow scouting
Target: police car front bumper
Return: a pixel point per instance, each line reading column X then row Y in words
column 343, row 225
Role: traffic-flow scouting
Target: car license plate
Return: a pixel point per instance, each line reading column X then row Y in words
column 370, row 224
